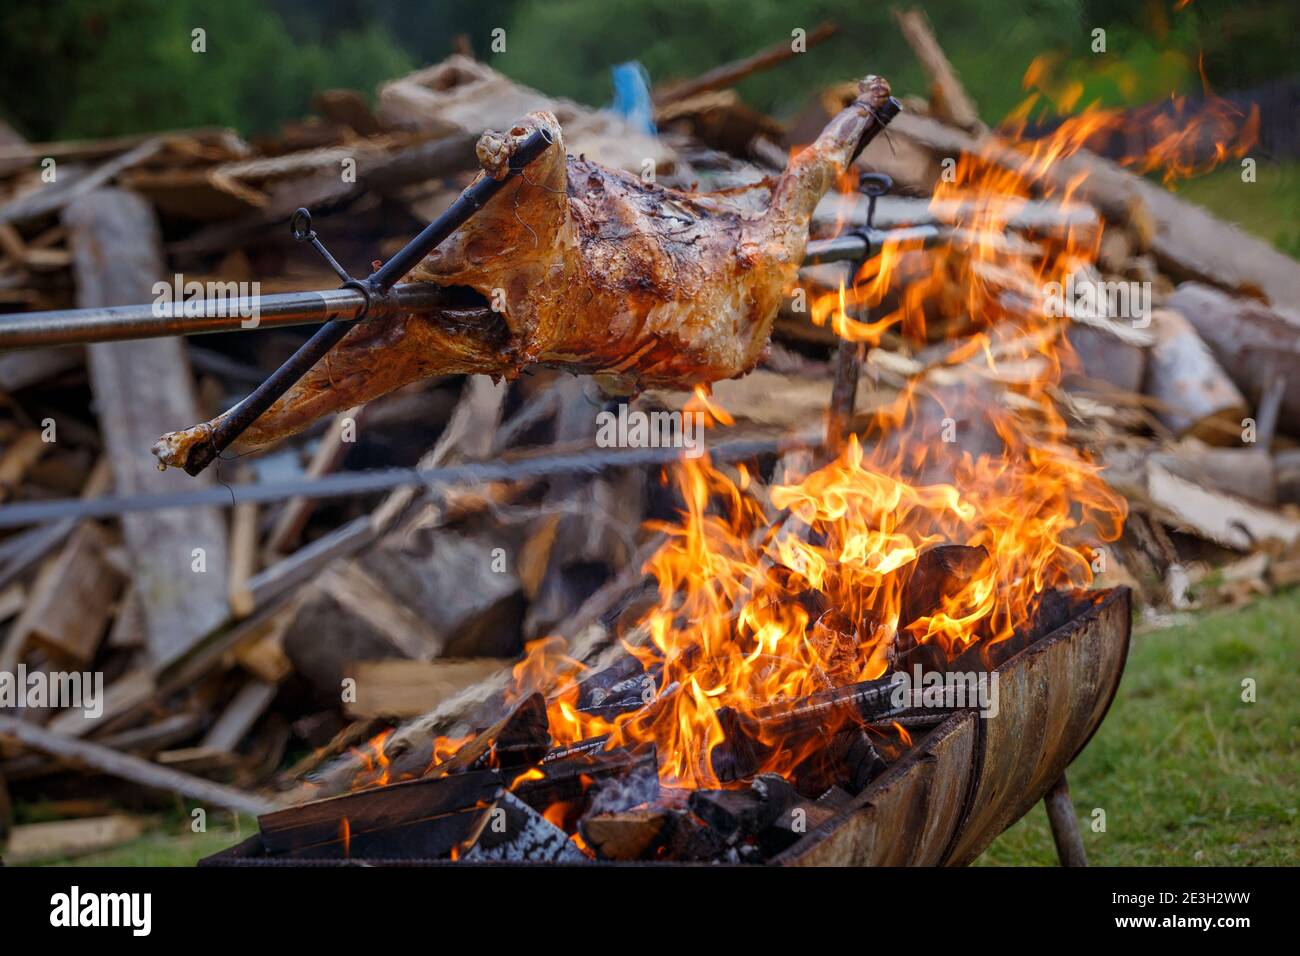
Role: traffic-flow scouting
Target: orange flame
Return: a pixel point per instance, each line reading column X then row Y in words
column 770, row 592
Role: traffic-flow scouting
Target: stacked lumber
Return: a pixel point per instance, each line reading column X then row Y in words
column 251, row 654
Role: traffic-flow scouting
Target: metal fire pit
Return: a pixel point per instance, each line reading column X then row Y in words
column 964, row 783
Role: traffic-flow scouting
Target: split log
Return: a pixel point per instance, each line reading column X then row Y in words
column 462, row 588
column 1221, row 518
column 127, row 767
column 1195, row 394
column 1243, row 472
column 415, row 819
column 363, row 621
column 141, row 387
column 1254, row 343
column 584, row 634
column 404, row 688
column 1105, row 357
column 626, row 835
column 122, row 696
column 71, row 599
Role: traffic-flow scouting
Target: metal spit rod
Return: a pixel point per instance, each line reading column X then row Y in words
column 202, row 317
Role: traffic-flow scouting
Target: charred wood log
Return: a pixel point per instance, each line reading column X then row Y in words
column 516, row 833
column 750, row 739
column 605, row 781
column 850, row 761
column 416, row 819
column 738, row 814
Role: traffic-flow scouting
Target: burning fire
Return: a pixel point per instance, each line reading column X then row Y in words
column 772, row 592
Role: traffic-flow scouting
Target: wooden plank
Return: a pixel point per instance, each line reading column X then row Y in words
column 239, row 716
column 66, row 194
column 37, row 842
column 1195, row 395
column 17, row 459
column 141, row 390
column 329, row 454
column 398, row 688
column 71, row 599
column 243, row 559
column 128, row 767
column 125, row 693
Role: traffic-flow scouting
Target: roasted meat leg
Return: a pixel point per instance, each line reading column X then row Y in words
column 591, row 270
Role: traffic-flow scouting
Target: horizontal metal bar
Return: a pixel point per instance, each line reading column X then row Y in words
column 201, row 317
column 346, row 484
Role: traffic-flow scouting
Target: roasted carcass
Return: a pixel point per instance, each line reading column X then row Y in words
column 592, row 270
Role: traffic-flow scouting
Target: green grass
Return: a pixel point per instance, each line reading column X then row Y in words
column 1188, row 773
column 1268, row 207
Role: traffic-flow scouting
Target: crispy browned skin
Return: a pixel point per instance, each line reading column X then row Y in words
column 594, row 271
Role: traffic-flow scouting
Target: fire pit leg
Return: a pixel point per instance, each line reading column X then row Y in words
column 1065, row 825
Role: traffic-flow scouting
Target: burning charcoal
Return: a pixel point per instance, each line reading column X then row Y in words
column 937, row 574
column 516, row 833
column 627, row 834
column 690, row 839
column 417, row 819
column 737, row 814
column 525, row 737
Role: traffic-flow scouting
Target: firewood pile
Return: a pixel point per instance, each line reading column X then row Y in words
column 287, row 658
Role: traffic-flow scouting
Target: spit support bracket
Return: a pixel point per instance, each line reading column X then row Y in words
column 849, row 354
